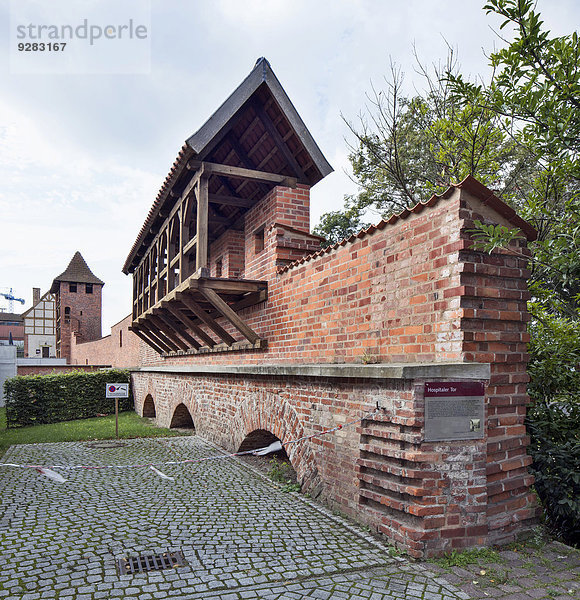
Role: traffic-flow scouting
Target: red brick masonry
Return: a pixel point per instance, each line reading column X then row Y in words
column 411, row 295
column 120, row 349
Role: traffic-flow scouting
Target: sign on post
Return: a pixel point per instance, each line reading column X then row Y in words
column 116, row 391
column 454, row 410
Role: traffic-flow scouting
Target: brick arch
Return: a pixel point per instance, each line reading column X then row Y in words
column 181, row 417
column 185, row 393
column 259, row 438
column 141, row 394
column 268, row 412
column 149, row 407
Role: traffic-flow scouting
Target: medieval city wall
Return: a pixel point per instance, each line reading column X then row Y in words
column 369, row 323
column 120, row 349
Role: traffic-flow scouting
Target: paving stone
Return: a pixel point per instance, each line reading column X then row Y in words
column 241, row 536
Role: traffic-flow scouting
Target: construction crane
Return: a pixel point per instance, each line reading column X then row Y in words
column 11, row 299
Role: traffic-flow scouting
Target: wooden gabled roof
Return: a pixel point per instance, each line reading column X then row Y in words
column 77, row 272
column 261, row 97
column 258, row 128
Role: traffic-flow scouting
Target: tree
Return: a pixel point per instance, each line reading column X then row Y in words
column 536, row 91
column 539, row 83
column 337, row 225
column 519, row 135
column 407, row 149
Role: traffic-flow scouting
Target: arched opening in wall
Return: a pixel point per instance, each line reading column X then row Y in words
column 275, row 465
column 182, row 418
column 149, row 407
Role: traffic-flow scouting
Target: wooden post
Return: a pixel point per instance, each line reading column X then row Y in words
column 202, row 224
column 181, row 217
column 117, row 417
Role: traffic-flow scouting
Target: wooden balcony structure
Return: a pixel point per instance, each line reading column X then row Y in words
column 255, row 141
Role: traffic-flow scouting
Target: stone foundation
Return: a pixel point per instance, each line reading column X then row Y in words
column 426, row 497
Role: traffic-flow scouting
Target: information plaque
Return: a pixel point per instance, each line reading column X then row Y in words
column 454, row 410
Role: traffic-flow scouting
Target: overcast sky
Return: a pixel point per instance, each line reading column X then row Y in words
column 82, row 157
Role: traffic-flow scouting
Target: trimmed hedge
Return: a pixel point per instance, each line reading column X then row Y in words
column 42, row 399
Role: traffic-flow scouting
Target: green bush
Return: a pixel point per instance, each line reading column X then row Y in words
column 555, row 448
column 43, row 399
column 553, row 420
column 554, row 358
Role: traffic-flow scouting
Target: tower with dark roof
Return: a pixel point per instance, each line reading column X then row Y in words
column 78, row 305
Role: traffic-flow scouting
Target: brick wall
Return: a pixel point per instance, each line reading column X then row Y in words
column 494, row 331
column 17, row 332
column 410, row 290
column 390, row 295
column 228, row 250
column 84, row 318
column 120, row 349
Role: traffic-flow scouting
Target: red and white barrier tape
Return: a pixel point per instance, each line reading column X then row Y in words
column 48, row 471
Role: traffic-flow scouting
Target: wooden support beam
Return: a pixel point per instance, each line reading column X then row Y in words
column 277, row 137
column 252, row 174
column 228, row 286
column 246, row 162
column 177, row 329
column 226, row 200
column 251, row 299
column 181, row 214
column 202, row 225
column 189, row 323
column 216, row 219
column 147, row 340
column 257, row 145
column 168, row 332
column 160, row 340
column 203, row 316
column 159, row 336
column 227, row 312
column 168, row 215
column 192, row 242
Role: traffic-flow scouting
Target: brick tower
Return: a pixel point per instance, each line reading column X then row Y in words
column 78, row 305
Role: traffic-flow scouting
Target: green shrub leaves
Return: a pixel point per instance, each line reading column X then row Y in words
column 43, row 399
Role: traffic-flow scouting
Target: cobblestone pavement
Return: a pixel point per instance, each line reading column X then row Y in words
column 531, row 571
column 241, row 536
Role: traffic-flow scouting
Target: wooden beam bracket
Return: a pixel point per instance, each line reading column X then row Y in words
column 227, row 311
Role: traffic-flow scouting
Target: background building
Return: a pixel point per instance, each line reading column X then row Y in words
column 11, row 329
column 40, row 326
column 78, row 305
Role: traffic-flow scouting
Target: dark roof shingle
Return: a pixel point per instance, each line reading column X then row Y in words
column 76, row 272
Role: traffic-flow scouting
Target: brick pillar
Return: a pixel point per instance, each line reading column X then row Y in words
column 494, row 325
column 427, row 497
column 282, row 206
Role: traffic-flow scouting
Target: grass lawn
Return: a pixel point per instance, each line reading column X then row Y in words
column 99, row 428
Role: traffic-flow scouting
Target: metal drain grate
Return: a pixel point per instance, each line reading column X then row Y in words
column 150, row 562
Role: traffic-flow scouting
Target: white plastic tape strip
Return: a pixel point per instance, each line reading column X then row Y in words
column 274, row 447
column 51, row 474
column 162, row 475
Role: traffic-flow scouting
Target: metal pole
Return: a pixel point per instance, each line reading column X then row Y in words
column 117, row 417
